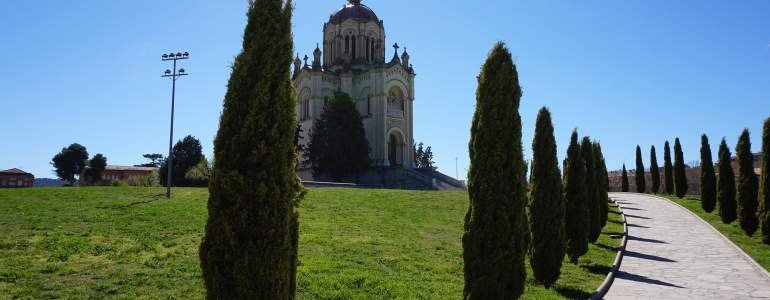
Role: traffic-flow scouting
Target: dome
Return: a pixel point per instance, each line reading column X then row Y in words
column 353, row 10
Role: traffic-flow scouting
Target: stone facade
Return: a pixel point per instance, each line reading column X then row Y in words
column 353, row 61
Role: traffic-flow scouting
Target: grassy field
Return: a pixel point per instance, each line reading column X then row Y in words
column 753, row 246
column 355, row 244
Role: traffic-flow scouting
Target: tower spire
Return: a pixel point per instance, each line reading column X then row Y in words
column 354, row 2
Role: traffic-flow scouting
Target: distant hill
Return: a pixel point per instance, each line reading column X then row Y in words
column 48, row 182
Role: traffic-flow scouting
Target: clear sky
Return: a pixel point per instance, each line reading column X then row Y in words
column 624, row 72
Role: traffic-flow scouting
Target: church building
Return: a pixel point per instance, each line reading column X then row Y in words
column 352, row 60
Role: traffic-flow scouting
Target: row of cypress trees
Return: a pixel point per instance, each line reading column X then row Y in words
column 564, row 216
column 675, row 176
column 739, row 199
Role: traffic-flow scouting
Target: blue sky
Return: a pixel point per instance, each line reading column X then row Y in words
column 623, row 72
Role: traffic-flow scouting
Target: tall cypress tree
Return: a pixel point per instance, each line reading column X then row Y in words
column 726, row 185
column 592, row 190
column 668, row 170
column 748, row 187
column 603, row 183
column 624, row 180
column 680, row 174
column 249, row 250
column 576, row 194
column 708, row 179
column 764, row 198
column 547, row 208
column 641, row 187
column 493, row 242
column 654, row 171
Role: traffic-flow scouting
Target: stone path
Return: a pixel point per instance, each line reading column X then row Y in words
column 672, row 254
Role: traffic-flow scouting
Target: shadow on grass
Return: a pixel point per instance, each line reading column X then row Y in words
column 597, row 269
column 610, row 248
column 573, row 293
column 648, row 256
column 643, row 279
column 614, row 235
column 154, row 198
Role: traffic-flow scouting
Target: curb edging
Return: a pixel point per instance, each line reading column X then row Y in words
column 602, row 290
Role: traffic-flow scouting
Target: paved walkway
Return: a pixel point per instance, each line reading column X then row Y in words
column 672, row 254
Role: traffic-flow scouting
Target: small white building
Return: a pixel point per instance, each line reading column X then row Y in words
column 353, row 61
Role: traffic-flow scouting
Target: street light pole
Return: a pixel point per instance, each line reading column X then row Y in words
column 173, row 75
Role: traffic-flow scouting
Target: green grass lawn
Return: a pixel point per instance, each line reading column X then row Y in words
column 753, row 246
column 355, row 244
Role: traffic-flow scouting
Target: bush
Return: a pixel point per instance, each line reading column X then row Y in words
column 726, row 185
column 747, row 186
column 547, row 208
column 576, row 195
column 118, row 183
column 708, row 179
column 338, row 145
column 149, row 180
column 249, row 249
column 494, row 238
column 641, row 186
column 680, row 174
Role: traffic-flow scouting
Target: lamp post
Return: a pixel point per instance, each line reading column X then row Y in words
column 173, row 75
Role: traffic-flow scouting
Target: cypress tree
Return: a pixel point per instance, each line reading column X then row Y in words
column 726, row 185
column 592, row 190
column 249, row 250
column 680, row 174
column 624, row 182
column 654, row 171
column 547, row 208
column 641, row 186
column 764, row 199
column 603, row 182
column 493, row 242
column 708, row 179
column 668, row 169
column 747, row 186
column 576, row 194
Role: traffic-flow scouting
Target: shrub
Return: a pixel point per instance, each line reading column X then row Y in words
column 494, row 238
column 576, row 195
column 668, row 169
column 547, row 208
column 249, row 250
column 708, row 179
column 654, row 171
column 680, row 175
column 726, row 185
column 764, row 198
column 747, row 186
column 640, row 182
column 149, row 180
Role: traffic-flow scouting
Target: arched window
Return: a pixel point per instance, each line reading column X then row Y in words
column 347, row 44
column 354, row 46
column 396, row 102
